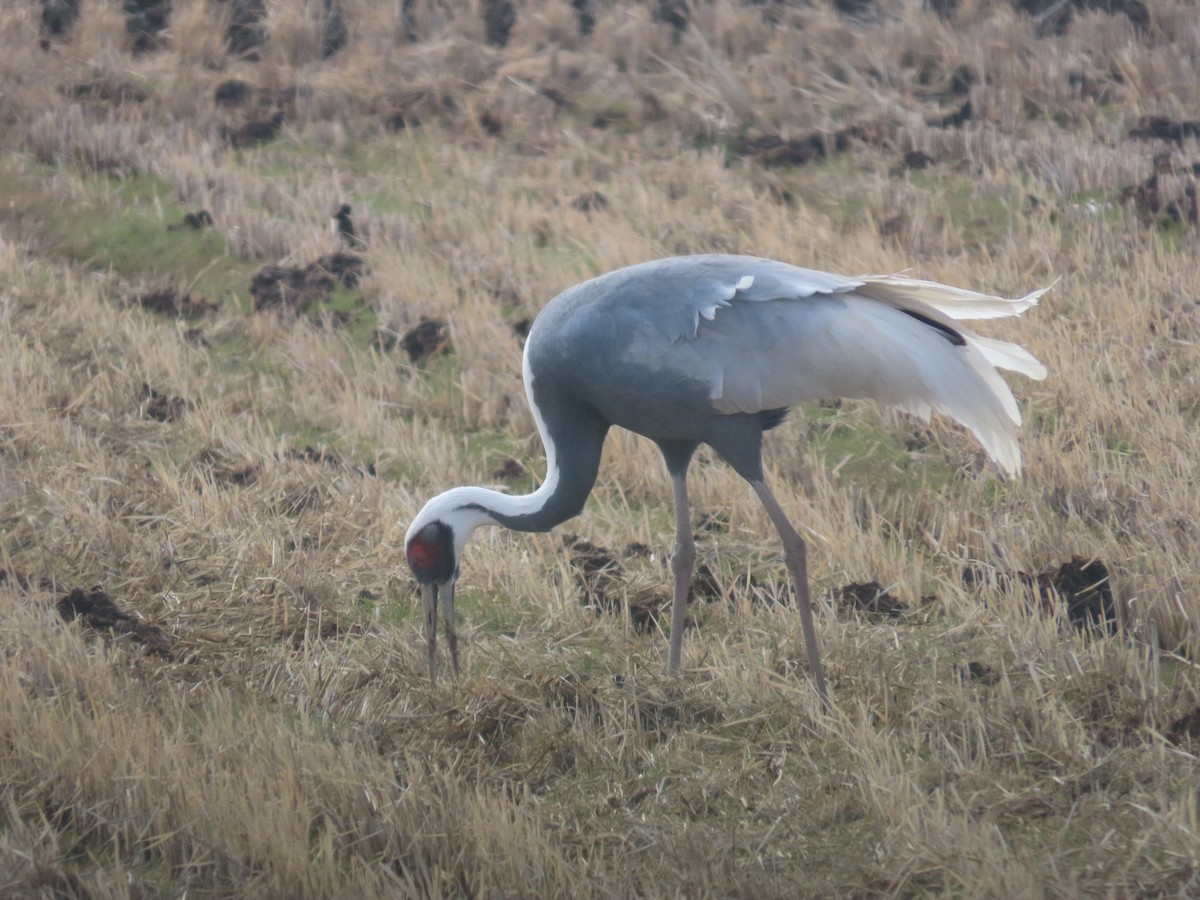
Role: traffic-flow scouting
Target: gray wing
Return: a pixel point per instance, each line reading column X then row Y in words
column 759, row 334
column 674, row 296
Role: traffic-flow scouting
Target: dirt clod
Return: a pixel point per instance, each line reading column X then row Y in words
column 773, row 150
column 916, row 160
column 499, row 17
column 108, row 90
column 590, row 201
column 247, row 30
column 508, row 469
column 232, row 93
column 146, row 22
column 196, row 221
column 871, row 599
column 1162, row 128
column 163, row 407
column 602, row 581
column 427, row 338
column 95, row 609
column 1169, row 194
column 980, row 672
column 252, row 133
column 955, row 119
column 344, row 222
column 169, row 301
column 1083, row 585
column 295, row 289
column 1185, row 727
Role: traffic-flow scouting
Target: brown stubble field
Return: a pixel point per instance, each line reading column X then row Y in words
column 213, row 486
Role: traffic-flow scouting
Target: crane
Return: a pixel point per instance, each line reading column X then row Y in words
column 713, row 349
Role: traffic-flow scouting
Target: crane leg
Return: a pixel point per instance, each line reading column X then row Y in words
column 682, row 561
column 796, row 555
column 429, row 599
column 451, row 629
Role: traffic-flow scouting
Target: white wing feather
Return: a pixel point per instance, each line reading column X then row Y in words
column 957, row 303
column 859, row 342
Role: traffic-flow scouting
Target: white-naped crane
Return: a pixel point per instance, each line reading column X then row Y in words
column 712, row 350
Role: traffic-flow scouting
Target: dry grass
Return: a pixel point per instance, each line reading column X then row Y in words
column 284, row 738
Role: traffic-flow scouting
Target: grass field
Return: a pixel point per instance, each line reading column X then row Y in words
column 215, row 485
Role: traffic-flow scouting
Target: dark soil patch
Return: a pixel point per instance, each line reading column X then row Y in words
column 161, row 407
column 240, row 476
column 295, row 289
column 916, row 160
column 521, row 327
column 427, row 338
column 334, row 33
column 344, row 222
column 491, row 123
column 674, row 13
column 980, row 672
column 95, row 609
column 246, row 32
column 509, row 469
column 955, row 119
column 107, row 91
column 579, row 699
column 232, row 93
column 601, row 580
column 1185, row 728
column 309, row 453
column 323, row 456
column 590, row 201
column 402, row 120
column 708, row 587
column 1169, row 194
column 254, row 133
column 871, row 599
column 169, row 301
column 1085, row 588
column 585, row 15
column 1054, row 17
column 146, row 22
column 1080, row 586
column 772, row 150
column 196, row 221
column 57, row 18
column 712, row 523
column 24, row 582
column 1160, row 128
column 938, row 85
column 499, row 17
column 384, row 340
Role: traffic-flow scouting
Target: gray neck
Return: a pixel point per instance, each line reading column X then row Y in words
column 573, row 460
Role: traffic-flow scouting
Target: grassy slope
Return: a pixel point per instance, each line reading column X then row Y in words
column 290, row 742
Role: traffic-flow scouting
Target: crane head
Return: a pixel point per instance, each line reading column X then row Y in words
column 433, row 547
column 431, row 554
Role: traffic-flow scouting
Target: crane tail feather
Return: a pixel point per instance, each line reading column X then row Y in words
column 957, row 303
column 1012, row 357
column 984, row 404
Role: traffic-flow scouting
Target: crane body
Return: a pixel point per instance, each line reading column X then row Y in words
column 712, row 350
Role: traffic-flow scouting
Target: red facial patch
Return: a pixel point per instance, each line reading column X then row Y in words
column 423, row 555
